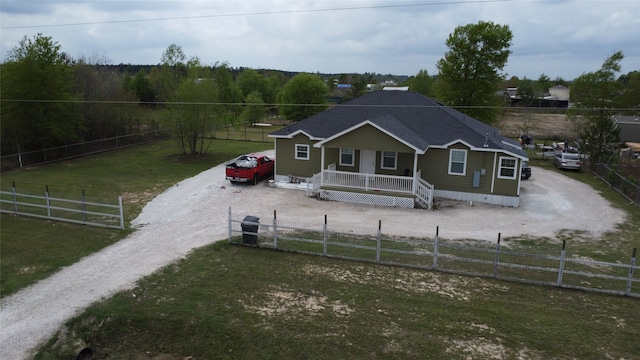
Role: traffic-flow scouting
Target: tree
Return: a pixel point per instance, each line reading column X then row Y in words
column 595, row 95
column 192, row 116
column 228, row 93
column 529, row 92
column 254, row 109
column 141, row 85
column 302, row 96
column 37, row 105
column 358, row 86
column 249, row 81
column 421, row 83
column 166, row 80
column 544, row 83
column 107, row 109
column 470, row 71
column 629, row 100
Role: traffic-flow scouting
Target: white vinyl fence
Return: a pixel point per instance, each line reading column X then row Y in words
column 52, row 208
column 474, row 258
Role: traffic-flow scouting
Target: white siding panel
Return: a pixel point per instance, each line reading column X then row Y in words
column 511, row 201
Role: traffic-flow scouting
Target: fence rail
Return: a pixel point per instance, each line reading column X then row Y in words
column 52, row 208
column 37, row 157
column 616, row 180
column 419, row 251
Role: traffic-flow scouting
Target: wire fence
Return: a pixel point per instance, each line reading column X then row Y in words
column 38, row 157
column 258, row 133
column 473, row 258
column 59, row 209
column 612, row 177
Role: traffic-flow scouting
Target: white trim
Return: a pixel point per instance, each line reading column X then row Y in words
column 395, row 160
column 297, row 132
column 361, row 124
column 308, row 152
column 493, row 172
column 478, row 149
column 464, row 164
column 501, row 166
column 353, row 157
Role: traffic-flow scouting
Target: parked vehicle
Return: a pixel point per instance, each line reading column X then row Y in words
column 250, row 168
column 526, row 171
column 566, row 160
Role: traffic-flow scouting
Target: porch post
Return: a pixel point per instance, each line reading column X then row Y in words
column 322, row 165
column 414, row 185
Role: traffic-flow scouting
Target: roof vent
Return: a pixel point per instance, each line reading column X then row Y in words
column 486, row 141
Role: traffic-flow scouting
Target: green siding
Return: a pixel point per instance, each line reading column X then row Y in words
column 435, row 169
column 287, row 164
column 506, row 186
column 368, row 138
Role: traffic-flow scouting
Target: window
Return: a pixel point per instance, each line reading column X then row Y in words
column 457, row 162
column 389, row 160
column 346, row 157
column 302, row 152
column 507, row 168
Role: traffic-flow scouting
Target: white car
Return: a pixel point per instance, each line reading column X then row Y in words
column 565, row 160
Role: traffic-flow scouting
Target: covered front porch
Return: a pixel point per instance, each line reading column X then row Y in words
column 374, row 189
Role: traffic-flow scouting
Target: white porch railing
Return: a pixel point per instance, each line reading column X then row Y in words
column 424, row 193
column 373, row 182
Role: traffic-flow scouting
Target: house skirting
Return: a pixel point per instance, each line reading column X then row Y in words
column 371, row 199
column 511, row 201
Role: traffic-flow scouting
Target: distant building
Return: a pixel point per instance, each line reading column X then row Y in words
column 557, row 97
column 629, row 128
column 559, row 92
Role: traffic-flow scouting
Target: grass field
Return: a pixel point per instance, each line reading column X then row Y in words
column 32, row 249
column 231, row 302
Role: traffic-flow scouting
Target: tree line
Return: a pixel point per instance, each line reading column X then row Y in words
column 50, row 99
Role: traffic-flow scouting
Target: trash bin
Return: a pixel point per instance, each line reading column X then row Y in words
column 250, row 229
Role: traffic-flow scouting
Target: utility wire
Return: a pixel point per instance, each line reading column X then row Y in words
column 128, row 102
column 259, row 13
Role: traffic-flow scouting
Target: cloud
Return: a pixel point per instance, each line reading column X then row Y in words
column 560, row 38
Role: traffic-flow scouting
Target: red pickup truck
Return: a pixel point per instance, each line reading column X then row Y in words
column 250, row 168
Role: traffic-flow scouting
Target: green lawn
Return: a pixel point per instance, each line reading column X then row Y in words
column 234, row 302
column 32, row 249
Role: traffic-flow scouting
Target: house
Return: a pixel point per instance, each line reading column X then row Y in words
column 399, row 148
column 559, row 92
column 629, row 127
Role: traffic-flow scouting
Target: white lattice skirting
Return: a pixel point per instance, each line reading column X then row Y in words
column 371, row 199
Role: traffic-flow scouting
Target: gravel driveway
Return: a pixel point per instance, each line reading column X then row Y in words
column 193, row 213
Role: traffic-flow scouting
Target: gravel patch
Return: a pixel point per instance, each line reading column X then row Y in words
column 193, row 213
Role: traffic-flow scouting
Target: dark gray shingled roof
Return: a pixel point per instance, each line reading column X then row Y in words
column 416, row 119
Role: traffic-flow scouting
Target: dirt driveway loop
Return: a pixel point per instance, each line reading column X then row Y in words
column 193, row 213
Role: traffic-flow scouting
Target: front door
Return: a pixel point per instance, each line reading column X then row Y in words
column 368, row 161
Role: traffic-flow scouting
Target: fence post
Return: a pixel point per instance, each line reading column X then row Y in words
column 229, row 221
column 561, row 267
column 631, row 266
column 84, row 207
column 324, row 236
column 275, row 232
column 121, row 213
column 435, row 249
column 379, row 241
column 15, row 198
column 497, row 258
column 48, row 203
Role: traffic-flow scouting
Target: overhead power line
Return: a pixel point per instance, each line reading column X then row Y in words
column 258, row 13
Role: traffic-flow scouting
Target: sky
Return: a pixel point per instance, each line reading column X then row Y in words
column 556, row 38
